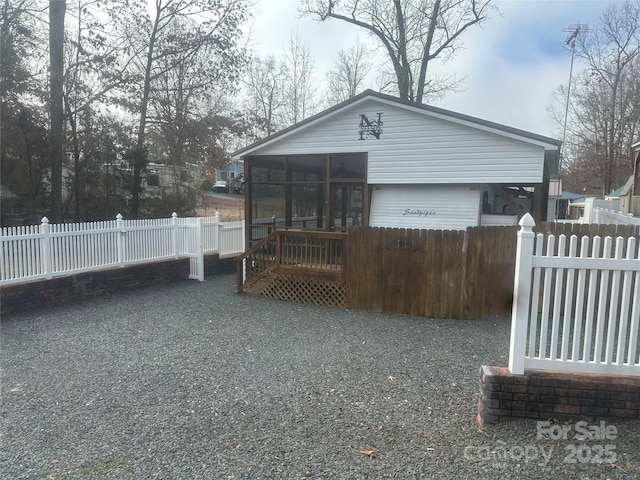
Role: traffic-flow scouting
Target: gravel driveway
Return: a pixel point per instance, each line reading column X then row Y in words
column 190, row 381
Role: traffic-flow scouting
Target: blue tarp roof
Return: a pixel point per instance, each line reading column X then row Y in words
column 571, row 196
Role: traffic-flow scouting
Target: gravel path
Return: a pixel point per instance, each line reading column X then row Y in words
column 190, row 381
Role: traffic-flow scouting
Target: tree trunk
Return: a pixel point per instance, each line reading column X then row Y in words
column 144, row 103
column 404, row 72
column 611, row 154
column 427, row 51
column 136, row 187
column 56, row 77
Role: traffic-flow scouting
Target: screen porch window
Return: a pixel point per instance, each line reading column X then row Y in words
column 319, row 192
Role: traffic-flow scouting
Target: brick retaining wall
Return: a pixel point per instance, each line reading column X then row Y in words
column 544, row 394
column 38, row 294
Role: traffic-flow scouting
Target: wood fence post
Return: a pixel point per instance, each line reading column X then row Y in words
column 120, row 238
column 45, row 247
column 521, row 295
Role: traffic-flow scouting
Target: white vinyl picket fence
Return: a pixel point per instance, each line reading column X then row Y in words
column 597, row 210
column 608, row 217
column 48, row 250
column 577, row 305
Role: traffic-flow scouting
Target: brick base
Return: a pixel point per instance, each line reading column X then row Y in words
column 38, row 294
column 544, row 394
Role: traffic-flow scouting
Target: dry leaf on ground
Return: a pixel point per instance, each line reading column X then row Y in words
column 371, row 453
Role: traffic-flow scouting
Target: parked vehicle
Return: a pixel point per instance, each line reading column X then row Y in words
column 221, row 186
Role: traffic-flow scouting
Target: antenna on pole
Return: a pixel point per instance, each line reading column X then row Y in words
column 574, row 31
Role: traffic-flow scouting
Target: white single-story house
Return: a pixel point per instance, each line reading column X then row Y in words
column 230, row 171
column 381, row 161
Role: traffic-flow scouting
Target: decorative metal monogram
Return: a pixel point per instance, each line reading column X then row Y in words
column 370, row 128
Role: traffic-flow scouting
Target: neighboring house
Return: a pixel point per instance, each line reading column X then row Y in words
column 380, row 161
column 8, row 200
column 634, row 198
column 161, row 179
column 230, row 171
column 623, row 196
column 564, row 206
column 629, row 194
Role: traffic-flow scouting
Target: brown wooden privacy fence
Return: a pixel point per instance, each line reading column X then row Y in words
column 432, row 273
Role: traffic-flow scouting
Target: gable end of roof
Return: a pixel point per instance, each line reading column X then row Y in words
column 550, row 143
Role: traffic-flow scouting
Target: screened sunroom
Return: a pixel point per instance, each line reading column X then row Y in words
column 313, row 192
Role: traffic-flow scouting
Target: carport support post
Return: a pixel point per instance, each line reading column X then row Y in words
column 521, row 295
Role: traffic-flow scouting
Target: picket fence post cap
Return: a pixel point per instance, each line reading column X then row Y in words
column 119, row 216
column 527, row 221
column 174, row 215
column 44, row 220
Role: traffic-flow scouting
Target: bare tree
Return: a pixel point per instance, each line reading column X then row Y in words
column 265, row 80
column 604, row 108
column 349, row 74
column 25, row 141
column 412, row 32
column 299, row 86
column 168, row 38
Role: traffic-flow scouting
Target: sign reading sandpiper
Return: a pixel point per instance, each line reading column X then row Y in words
column 418, row 212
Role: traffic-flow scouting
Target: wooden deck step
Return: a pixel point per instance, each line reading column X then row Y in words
column 259, row 286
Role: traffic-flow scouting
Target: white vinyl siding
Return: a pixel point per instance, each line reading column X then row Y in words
column 444, row 207
column 417, row 147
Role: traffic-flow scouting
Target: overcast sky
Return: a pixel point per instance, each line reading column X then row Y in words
column 511, row 65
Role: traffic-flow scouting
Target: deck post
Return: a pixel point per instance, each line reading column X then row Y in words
column 521, row 295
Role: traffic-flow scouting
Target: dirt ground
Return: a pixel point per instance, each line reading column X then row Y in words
column 230, row 206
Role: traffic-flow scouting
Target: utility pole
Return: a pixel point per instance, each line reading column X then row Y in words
column 574, row 31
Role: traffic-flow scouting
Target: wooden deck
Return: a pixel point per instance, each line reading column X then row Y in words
column 296, row 265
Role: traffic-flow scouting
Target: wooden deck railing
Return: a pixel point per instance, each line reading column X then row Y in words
column 299, row 250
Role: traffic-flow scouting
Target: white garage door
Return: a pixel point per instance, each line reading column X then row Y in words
column 443, row 207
